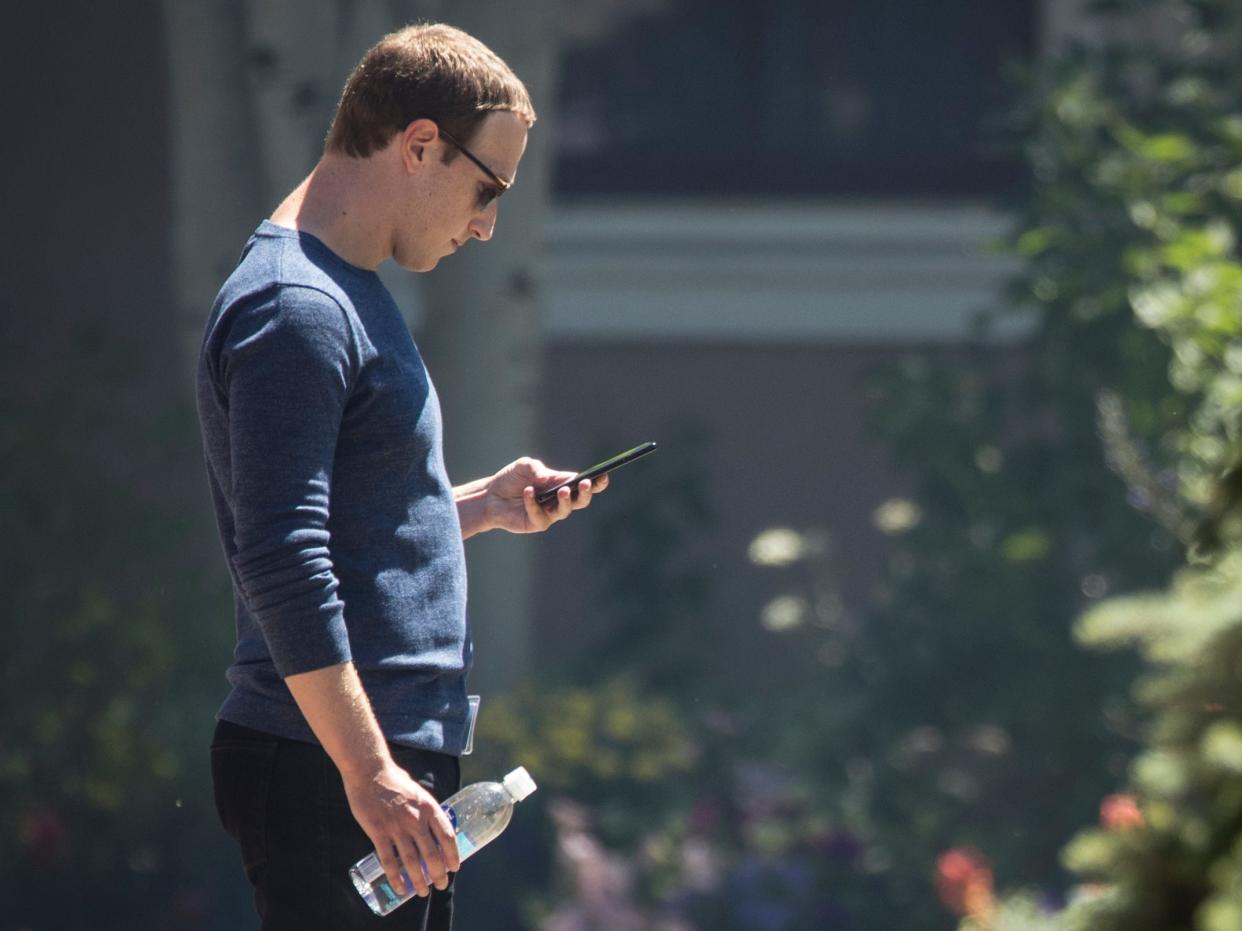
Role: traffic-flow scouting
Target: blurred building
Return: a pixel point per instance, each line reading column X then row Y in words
column 751, row 205
column 754, row 206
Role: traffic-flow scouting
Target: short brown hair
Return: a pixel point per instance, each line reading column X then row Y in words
column 425, row 71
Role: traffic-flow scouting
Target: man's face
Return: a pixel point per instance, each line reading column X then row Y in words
column 457, row 201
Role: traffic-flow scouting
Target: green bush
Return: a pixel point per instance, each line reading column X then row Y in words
column 1150, row 133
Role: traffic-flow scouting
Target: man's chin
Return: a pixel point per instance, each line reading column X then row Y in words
column 420, row 265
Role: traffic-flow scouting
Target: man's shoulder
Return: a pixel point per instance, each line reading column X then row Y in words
column 276, row 263
column 275, row 297
column 288, row 285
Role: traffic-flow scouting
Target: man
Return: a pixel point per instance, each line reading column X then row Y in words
column 343, row 535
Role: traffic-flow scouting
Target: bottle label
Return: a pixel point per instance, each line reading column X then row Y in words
column 464, row 845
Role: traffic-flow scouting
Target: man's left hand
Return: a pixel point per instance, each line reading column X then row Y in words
column 509, row 500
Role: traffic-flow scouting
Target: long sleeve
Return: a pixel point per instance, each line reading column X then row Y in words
column 284, row 369
column 325, row 461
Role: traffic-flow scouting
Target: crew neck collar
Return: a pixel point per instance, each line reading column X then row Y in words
column 268, row 228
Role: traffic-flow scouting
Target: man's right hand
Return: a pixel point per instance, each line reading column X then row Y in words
column 407, row 825
column 403, row 820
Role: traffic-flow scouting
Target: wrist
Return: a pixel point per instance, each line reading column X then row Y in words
column 472, row 508
column 366, row 767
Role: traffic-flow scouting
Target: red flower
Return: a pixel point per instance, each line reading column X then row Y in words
column 1120, row 813
column 964, row 883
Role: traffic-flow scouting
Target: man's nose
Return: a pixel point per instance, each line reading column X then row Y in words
column 482, row 226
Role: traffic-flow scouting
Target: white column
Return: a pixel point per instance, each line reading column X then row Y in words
column 216, row 187
column 482, row 338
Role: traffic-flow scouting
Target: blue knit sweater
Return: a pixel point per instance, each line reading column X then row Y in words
column 323, row 442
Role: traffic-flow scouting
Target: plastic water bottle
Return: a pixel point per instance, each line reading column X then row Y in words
column 478, row 813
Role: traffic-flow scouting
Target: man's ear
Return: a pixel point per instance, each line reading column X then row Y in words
column 417, row 140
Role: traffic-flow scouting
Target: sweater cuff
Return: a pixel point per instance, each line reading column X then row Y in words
column 309, row 642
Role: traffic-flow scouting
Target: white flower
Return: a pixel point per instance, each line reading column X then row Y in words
column 785, row 613
column 777, row 546
column 897, row 515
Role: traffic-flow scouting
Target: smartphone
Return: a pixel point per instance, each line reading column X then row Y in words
column 600, row 468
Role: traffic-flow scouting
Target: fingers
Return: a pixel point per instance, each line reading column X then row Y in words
column 392, row 865
column 578, row 497
column 445, row 839
column 432, row 861
column 567, row 500
column 414, row 840
column 418, row 847
column 562, row 507
column 420, row 850
column 438, row 847
column 537, row 515
column 588, row 488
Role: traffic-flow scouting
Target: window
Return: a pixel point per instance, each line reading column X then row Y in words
column 789, row 97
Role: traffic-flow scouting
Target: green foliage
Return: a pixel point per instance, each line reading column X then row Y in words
column 618, row 731
column 654, row 593
column 1179, row 866
column 1159, row 133
column 1044, row 477
column 607, row 746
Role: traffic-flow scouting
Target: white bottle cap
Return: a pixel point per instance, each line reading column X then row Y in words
column 519, row 784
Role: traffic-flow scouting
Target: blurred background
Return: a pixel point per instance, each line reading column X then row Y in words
column 934, row 311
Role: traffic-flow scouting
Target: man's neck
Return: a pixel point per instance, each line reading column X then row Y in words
column 342, row 204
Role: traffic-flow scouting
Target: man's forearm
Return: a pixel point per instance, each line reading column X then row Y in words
column 337, row 708
column 469, row 500
column 402, row 818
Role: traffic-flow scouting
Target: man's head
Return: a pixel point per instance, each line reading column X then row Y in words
column 430, row 71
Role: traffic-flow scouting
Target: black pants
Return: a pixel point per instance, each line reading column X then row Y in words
column 284, row 803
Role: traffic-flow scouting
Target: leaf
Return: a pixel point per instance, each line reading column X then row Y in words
column 1026, row 545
